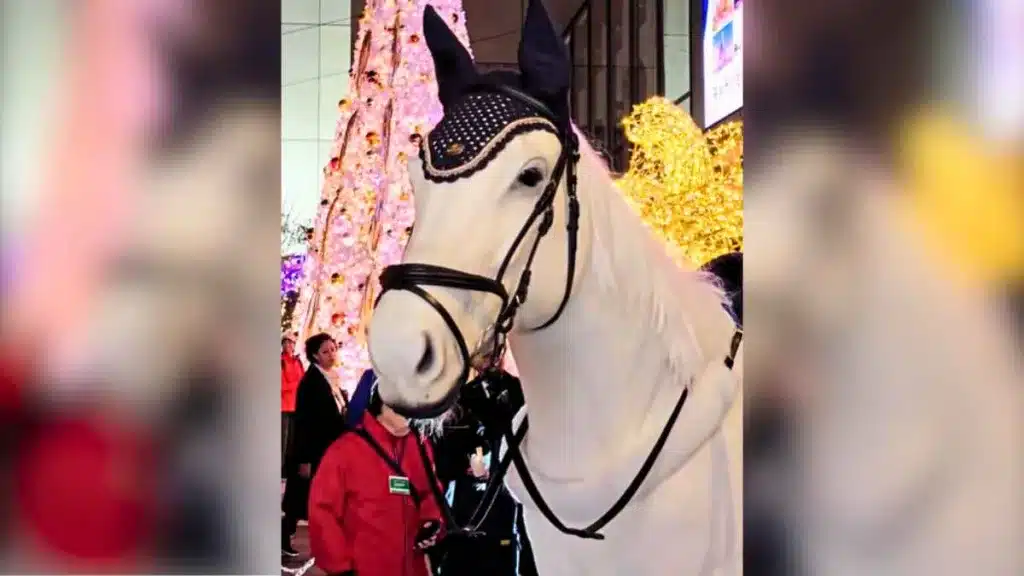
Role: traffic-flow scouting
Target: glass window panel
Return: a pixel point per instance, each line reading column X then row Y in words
column 315, row 68
column 619, row 145
column 677, row 65
column 598, row 99
column 647, row 26
column 581, row 78
column 598, row 58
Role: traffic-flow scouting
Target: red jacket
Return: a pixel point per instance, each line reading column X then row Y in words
column 356, row 522
column 291, row 373
column 13, row 373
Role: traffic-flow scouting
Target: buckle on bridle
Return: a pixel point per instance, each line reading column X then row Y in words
column 507, row 317
column 734, row 348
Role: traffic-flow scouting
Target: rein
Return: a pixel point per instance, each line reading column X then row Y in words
column 412, row 277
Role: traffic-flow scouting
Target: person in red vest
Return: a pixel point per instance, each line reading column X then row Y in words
column 371, row 509
column 291, row 373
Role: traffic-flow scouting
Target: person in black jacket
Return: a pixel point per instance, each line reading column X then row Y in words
column 729, row 270
column 319, row 420
column 766, row 527
column 462, row 453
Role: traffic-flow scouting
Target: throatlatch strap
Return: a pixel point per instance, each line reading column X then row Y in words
column 572, row 226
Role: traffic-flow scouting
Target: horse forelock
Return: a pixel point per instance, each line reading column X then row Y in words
column 636, row 272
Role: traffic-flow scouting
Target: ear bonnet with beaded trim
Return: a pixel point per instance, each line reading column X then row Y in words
column 484, row 112
column 475, row 131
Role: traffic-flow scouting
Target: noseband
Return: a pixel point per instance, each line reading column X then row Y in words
column 504, row 113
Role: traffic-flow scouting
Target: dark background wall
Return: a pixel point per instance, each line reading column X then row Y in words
column 317, row 43
column 494, row 26
column 616, row 46
column 618, row 54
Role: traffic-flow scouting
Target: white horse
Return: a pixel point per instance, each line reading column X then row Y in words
column 600, row 381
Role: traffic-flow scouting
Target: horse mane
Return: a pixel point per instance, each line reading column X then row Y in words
column 670, row 302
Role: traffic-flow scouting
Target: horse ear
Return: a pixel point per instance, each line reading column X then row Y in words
column 543, row 60
column 453, row 66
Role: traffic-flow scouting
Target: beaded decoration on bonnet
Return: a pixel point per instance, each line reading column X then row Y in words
column 475, row 131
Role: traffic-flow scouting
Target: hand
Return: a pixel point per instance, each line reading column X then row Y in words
column 477, row 467
column 427, row 536
column 305, row 470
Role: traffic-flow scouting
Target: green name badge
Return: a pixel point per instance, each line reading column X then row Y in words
column 398, row 485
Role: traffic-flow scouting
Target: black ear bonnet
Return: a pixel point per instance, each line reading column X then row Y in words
column 484, row 112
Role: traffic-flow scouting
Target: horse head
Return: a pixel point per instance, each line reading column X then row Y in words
column 492, row 207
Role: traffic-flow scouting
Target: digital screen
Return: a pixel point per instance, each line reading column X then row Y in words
column 999, row 78
column 723, row 59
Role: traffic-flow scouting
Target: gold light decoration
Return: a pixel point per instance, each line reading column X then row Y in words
column 965, row 197
column 686, row 185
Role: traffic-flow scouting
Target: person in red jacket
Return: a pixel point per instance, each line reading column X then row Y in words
column 371, row 509
column 291, row 374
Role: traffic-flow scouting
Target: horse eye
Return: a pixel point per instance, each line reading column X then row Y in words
column 530, row 177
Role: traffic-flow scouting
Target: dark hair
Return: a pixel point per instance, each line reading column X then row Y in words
column 314, row 343
column 729, row 270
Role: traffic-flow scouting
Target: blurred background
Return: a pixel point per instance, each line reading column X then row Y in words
column 883, row 205
column 140, row 255
column 142, row 144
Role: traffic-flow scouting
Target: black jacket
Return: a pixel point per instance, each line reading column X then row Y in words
column 506, row 544
column 318, row 423
column 729, row 269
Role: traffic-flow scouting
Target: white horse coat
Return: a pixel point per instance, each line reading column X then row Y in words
column 601, row 381
column 600, row 384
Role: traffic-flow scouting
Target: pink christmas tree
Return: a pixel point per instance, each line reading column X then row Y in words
column 366, row 208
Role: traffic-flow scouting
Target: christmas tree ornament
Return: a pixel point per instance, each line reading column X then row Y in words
column 366, row 194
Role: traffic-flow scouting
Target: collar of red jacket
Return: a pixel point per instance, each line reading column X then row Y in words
column 379, row 432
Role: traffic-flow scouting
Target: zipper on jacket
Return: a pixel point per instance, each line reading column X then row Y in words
column 407, row 555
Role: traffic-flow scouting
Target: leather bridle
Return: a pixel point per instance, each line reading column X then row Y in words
column 412, row 277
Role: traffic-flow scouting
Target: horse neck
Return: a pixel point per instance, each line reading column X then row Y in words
column 623, row 341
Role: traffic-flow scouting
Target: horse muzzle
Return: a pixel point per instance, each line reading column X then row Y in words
column 426, row 411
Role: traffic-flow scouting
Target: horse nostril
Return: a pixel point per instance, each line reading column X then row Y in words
column 428, row 357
